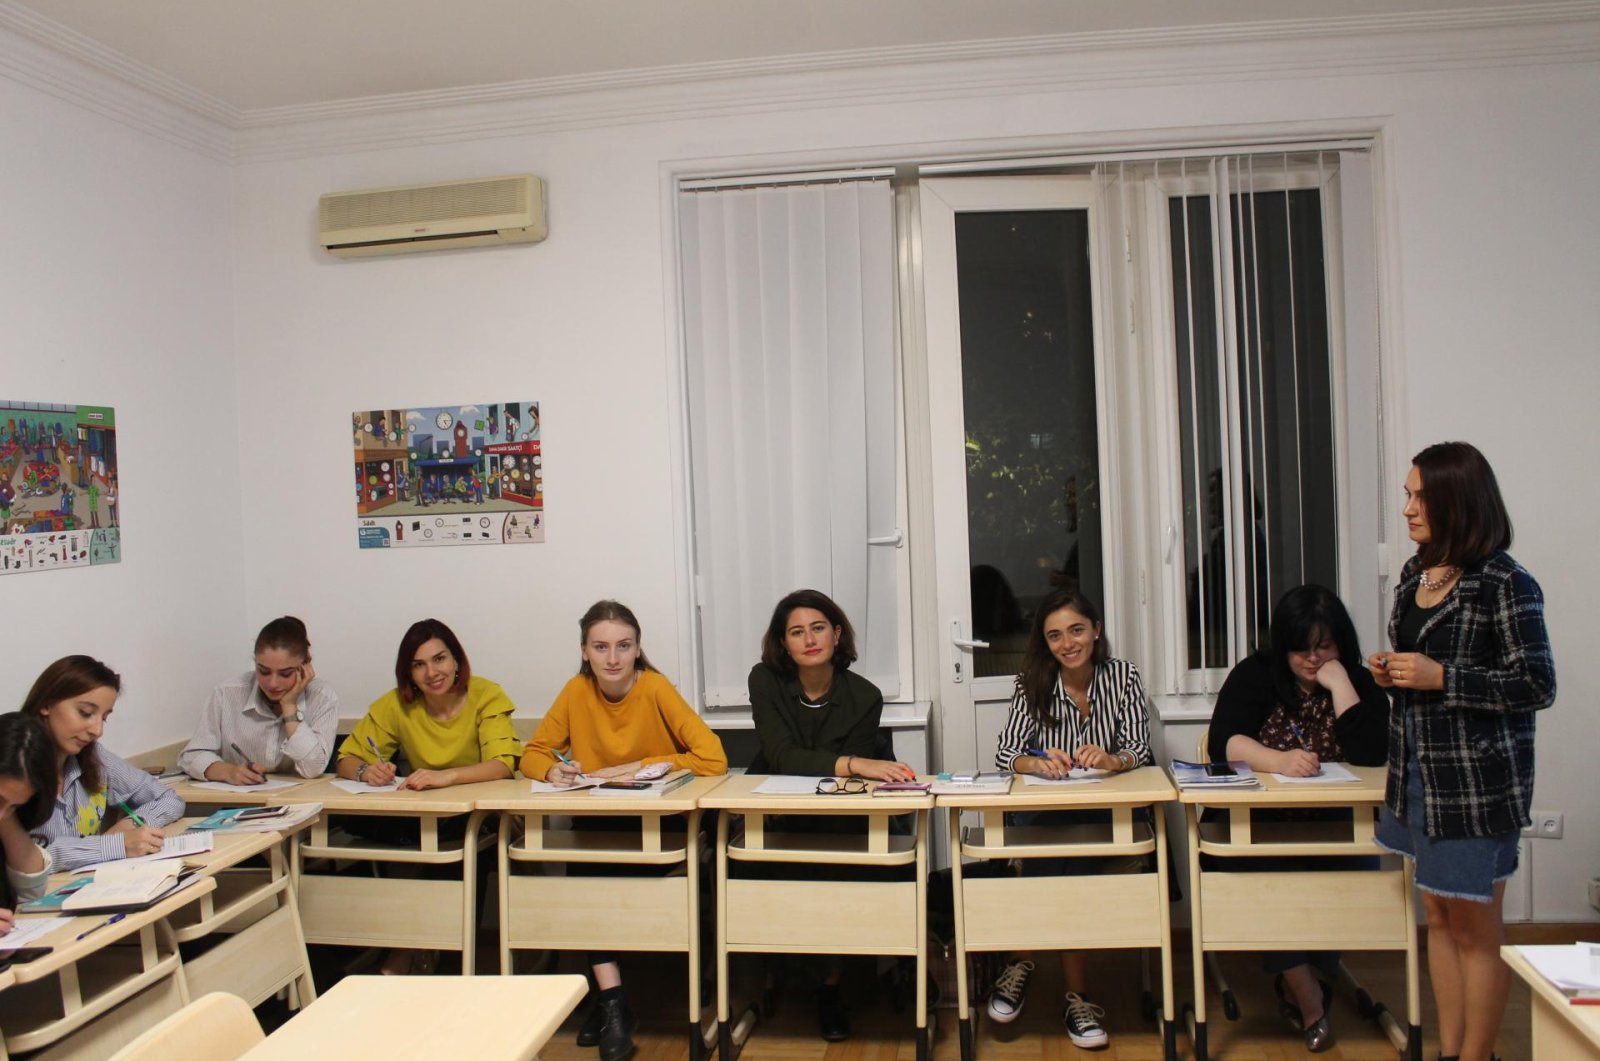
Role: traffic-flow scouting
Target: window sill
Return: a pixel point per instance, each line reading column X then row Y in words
column 1184, row 707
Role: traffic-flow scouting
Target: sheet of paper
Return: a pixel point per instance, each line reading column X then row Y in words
column 1331, row 773
column 584, row 781
column 1570, row 966
column 1078, row 775
column 28, row 929
column 266, row 786
column 786, row 785
column 361, row 788
column 180, row 846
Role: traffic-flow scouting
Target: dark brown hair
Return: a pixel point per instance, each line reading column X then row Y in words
column 288, row 633
column 1040, row 668
column 420, row 633
column 1467, row 519
column 66, row 678
column 1303, row 614
column 609, row 611
column 775, row 654
column 27, row 755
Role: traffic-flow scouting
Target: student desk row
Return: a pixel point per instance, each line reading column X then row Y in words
column 757, row 912
column 89, row 995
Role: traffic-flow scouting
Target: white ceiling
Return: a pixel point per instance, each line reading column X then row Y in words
column 254, row 54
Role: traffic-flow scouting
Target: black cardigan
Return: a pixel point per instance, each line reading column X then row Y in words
column 1247, row 698
column 808, row 741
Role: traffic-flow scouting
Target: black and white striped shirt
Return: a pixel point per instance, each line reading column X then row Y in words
column 1117, row 719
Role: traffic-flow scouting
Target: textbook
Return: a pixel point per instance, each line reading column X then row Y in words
column 258, row 819
column 128, row 886
column 1214, row 775
column 658, row 787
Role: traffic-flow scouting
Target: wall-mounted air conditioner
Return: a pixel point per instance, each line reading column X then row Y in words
column 426, row 217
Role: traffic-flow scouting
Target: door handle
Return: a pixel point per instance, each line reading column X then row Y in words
column 963, row 643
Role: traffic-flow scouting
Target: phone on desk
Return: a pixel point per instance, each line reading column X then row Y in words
column 1220, row 770
column 626, row 786
column 21, row 955
column 255, row 813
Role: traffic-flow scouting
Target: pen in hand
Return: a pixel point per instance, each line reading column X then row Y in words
column 113, row 919
column 245, row 759
column 132, row 817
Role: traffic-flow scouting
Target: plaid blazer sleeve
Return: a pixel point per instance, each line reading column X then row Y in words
column 1513, row 669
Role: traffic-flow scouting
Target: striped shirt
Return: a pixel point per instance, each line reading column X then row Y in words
column 237, row 713
column 1117, row 719
column 74, row 834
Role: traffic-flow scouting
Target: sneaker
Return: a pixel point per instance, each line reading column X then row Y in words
column 1009, row 992
column 1083, row 1023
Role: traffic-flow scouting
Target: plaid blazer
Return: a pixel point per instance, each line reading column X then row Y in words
column 1474, row 738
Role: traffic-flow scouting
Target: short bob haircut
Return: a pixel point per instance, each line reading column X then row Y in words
column 1302, row 616
column 286, row 633
column 609, row 611
column 774, row 651
column 65, row 679
column 1467, row 519
column 1040, row 669
column 28, row 754
column 420, row 633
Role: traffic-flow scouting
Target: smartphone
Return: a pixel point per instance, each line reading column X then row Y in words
column 627, row 786
column 21, row 954
column 260, row 812
column 1220, row 770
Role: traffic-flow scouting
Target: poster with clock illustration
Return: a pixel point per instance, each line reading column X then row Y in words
column 448, row 475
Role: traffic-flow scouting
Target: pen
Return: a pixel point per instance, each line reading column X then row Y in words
column 113, row 919
column 374, row 746
column 245, row 759
column 562, row 756
column 132, row 817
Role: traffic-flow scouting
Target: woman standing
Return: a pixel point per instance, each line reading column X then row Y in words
column 1074, row 706
column 1471, row 664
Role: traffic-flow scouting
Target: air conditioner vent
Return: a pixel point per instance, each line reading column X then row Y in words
column 433, row 216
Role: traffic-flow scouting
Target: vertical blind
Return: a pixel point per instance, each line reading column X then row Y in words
column 789, row 318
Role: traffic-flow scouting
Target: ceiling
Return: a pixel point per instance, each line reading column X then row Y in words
column 252, row 55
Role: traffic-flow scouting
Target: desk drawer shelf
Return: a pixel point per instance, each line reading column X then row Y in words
column 599, row 913
column 567, row 845
column 822, row 916
column 1367, row 910
column 831, row 849
column 1063, row 841
column 1110, row 910
column 378, row 911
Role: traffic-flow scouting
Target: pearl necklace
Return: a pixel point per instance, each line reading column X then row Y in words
column 1434, row 585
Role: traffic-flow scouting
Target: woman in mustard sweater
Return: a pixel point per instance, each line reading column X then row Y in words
column 616, row 716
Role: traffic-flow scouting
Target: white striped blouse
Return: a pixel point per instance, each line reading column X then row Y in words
column 1117, row 720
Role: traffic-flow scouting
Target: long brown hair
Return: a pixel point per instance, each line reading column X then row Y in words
column 1467, row 518
column 1040, row 668
column 66, row 678
column 775, row 653
column 28, row 755
column 608, row 611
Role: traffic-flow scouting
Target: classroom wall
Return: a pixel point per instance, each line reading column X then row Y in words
column 115, row 290
column 1491, row 261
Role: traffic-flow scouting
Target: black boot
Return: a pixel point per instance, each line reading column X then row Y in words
column 589, row 1034
column 616, row 1029
column 833, row 1022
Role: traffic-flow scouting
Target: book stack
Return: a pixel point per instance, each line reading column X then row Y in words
column 1213, row 775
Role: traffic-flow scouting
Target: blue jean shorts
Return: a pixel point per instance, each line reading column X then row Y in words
column 1452, row 868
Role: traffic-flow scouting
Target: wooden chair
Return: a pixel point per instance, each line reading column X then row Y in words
column 215, row 1027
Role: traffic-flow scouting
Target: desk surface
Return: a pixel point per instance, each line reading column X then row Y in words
column 518, row 795
column 738, row 793
column 458, row 799
column 68, row 948
column 482, row 1017
column 190, row 791
column 1147, row 784
column 1583, row 1020
column 1275, row 793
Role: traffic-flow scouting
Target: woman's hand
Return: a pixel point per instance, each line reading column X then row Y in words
column 564, row 774
column 1378, row 666
column 1333, row 677
column 1095, row 757
column 1413, row 670
column 308, row 674
column 143, row 840
column 234, row 774
column 881, row 770
column 379, row 774
column 418, row 780
column 6, row 919
column 1298, row 763
column 1055, row 764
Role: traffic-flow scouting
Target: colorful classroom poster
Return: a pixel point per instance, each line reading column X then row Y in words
column 449, row 475
column 58, row 486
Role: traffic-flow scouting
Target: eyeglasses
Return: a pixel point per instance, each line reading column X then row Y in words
column 849, row 786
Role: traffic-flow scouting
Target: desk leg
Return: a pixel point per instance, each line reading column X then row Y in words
column 1169, row 1021
column 1413, row 973
column 1197, row 933
column 724, row 1031
column 502, row 863
column 924, row 826
column 697, row 1043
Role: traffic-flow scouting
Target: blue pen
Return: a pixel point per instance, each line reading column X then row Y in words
column 113, row 919
column 1301, row 737
column 374, row 746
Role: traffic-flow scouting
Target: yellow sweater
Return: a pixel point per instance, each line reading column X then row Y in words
column 480, row 733
column 651, row 724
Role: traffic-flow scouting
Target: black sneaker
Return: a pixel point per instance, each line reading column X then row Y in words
column 833, row 1022
column 1083, row 1023
column 616, row 1029
column 1010, row 992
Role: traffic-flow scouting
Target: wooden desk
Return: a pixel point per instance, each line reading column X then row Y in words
column 1300, row 909
column 202, row 801
column 264, row 946
column 360, row 911
column 1111, row 910
column 1560, row 1029
column 487, row 1018
column 808, row 916
column 89, row 996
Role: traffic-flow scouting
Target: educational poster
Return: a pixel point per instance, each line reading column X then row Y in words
column 448, row 475
column 58, row 486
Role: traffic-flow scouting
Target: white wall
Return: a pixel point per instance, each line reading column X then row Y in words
column 115, row 290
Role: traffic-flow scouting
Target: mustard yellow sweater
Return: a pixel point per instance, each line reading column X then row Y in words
column 651, row 724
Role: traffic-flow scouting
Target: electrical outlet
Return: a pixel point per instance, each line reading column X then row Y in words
column 1547, row 825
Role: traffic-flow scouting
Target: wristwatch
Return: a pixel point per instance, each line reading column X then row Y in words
column 298, row 716
column 361, row 771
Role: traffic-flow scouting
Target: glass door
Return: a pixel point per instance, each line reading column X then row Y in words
column 1015, row 409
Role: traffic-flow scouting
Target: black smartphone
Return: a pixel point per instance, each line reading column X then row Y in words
column 21, row 955
column 627, row 786
column 1220, row 770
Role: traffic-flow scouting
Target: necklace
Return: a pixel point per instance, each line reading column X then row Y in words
column 1434, row 585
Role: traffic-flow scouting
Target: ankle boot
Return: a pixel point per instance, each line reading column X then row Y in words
column 616, row 1029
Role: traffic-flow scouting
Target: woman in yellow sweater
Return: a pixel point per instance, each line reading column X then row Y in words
column 615, row 717
column 453, row 727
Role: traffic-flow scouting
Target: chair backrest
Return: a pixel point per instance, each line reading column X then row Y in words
column 1203, row 751
column 215, row 1027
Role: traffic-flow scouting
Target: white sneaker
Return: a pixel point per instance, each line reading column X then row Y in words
column 1009, row 992
column 1083, row 1023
